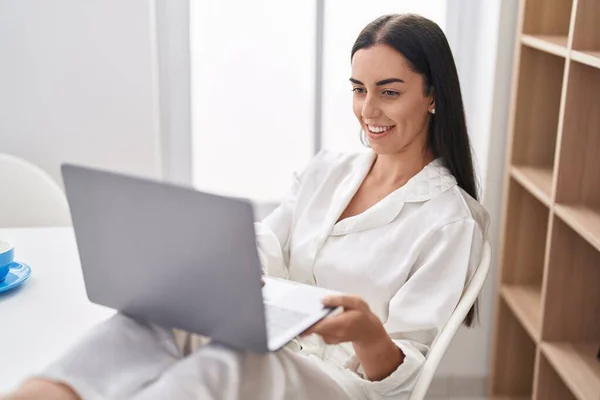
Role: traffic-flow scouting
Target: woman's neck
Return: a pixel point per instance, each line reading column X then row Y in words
column 395, row 169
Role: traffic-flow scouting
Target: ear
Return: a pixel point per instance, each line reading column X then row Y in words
column 431, row 101
column 432, row 105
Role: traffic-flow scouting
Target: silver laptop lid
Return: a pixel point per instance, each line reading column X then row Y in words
column 168, row 254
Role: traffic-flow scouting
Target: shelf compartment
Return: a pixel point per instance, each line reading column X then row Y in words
column 512, row 372
column 591, row 58
column 576, row 364
column 583, row 220
column 549, row 386
column 537, row 180
column 586, row 37
column 578, row 181
column 547, row 17
column 525, row 238
column 553, row 44
column 526, row 304
column 572, row 300
column 537, row 108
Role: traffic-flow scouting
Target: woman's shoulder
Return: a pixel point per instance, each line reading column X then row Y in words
column 457, row 205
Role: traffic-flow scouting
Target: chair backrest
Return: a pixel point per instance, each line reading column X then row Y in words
column 29, row 197
column 442, row 341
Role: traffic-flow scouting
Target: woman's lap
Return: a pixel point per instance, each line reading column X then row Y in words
column 124, row 358
column 214, row 372
column 116, row 358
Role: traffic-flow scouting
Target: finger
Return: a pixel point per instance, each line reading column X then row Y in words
column 312, row 329
column 334, row 326
column 323, row 326
column 348, row 302
column 307, row 332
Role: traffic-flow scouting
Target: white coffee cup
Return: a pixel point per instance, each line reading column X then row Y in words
column 7, row 256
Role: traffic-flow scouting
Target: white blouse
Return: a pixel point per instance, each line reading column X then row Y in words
column 409, row 256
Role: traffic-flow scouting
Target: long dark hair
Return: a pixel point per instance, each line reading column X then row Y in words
column 424, row 45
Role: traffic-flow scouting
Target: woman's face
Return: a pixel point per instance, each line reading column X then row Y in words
column 389, row 100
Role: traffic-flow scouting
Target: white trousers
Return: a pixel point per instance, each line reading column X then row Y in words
column 126, row 359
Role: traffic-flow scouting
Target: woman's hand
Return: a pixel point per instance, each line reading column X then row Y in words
column 42, row 389
column 356, row 324
column 378, row 354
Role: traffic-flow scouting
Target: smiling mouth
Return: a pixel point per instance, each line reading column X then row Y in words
column 378, row 129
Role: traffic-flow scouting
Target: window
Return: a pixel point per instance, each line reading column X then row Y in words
column 254, row 87
column 252, row 94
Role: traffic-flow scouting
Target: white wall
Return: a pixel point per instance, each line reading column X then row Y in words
column 253, row 82
column 78, row 84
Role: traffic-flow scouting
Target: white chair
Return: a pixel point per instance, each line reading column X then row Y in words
column 29, row 197
column 442, row 341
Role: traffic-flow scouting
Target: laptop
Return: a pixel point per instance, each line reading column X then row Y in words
column 182, row 258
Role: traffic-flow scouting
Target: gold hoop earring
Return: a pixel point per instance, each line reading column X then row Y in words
column 363, row 138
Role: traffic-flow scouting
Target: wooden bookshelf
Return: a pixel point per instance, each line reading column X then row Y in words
column 591, row 58
column 553, row 44
column 525, row 302
column 547, row 322
column 514, row 368
column 551, row 386
column 576, row 364
column 582, row 219
column 537, row 180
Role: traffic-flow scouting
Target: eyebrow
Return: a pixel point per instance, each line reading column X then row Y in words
column 382, row 82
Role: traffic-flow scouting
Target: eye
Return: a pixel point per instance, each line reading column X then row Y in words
column 391, row 93
column 359, row 90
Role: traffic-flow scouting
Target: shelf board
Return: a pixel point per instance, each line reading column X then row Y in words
column 537, row 180
column 526, row 303
column 578, row 367
column 510, row 398
column 583, row 220
column 591, row 58
column 553, row 44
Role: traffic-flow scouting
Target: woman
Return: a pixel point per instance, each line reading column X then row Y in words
column 398, row 227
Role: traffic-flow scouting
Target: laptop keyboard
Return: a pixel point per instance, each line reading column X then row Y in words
column 280, row 319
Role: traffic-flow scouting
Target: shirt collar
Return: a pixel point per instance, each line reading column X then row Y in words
column 433, row 180
column 428, row 183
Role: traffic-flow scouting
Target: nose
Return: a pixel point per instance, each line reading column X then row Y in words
column 370, row 109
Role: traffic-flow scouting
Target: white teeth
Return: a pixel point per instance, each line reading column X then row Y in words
column 379, row 129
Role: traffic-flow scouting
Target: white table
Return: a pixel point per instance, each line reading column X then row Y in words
column 45, row 316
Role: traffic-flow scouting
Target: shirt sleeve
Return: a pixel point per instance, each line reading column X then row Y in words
column 273, row 233
column 423, row 305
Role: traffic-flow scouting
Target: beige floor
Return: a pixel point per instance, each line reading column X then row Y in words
column 455, row 398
